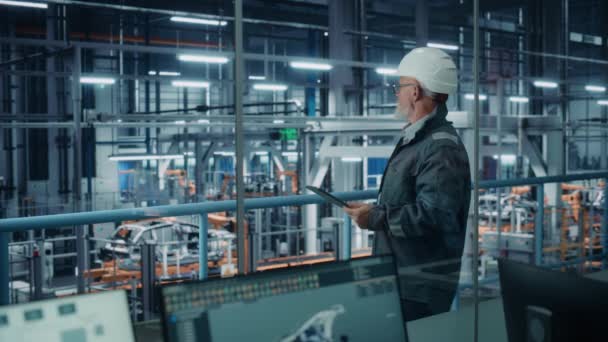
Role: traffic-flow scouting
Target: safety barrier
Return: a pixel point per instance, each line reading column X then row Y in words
column 204, row 208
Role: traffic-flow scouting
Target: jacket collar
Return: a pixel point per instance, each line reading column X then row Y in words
column 411, row 129
column 415, row 131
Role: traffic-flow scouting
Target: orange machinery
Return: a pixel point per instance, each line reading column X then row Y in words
column 181, row 179
column 294, row 179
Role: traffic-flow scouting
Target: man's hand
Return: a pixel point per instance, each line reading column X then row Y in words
column 359, row 212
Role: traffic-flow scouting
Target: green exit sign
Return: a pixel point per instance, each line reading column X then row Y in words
column 288, row 134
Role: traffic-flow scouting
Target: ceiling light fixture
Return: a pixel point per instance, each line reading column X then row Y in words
column 310, row 66
column 199, row 21
column 203, row 59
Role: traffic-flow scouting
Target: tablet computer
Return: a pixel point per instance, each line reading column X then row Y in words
column 327, row 196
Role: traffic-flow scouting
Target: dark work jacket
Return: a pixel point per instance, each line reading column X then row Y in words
column 422, row 209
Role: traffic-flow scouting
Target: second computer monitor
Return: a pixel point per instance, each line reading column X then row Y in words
column 97, row 317
column 541, row 305
column 356, row 300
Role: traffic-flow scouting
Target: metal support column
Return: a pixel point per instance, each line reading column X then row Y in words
column 4, row 269
column 344, row 239
column 239, row 142
column 256, row 251
column 148, row 275
column 198, row 170
column 309, row 217
column 539, row 225
column 422, row 22
column 52, row 100
column 268, row 228
column 38, row 272
column 202, row 246
column 500, row 99
column 475, row 269
column 81, row 254
column 309, row 92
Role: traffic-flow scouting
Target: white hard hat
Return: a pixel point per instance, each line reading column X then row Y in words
column 433, row 68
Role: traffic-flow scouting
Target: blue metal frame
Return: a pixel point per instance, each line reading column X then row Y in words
column 539, row 224
column 85, row 218
column 4, row 269
column 346, row 236
column 202, row 245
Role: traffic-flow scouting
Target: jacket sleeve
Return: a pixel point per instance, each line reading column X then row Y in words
column 440, row 188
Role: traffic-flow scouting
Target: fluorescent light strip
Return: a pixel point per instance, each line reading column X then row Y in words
column 257, row 78
column 180, row 122
column 270, row 87
column 386, row 71
column 261, row 153
column 169, row 73
column 351, row 159
column 595, row 89
column 602, row 102
column 545, row 84
column 24, row 4
column 97, row 80
column 163, row 73
column 509, row 158
column 199, row 21
column 519, row 99
column 203, row 59
column 310, row 66
column 224, row 154
column 482, row 97
column 443, row 46
column 203, row 121
column 144, row 157
column 278, row 121
column 190, row 84
column 289, row 154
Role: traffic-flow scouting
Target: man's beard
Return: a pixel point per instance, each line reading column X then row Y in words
column 403, row 113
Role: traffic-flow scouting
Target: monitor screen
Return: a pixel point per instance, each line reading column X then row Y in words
column 541, row 305
column 98, row 317
column 356, row 300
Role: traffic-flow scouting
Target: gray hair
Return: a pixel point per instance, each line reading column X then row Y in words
column 437, row 97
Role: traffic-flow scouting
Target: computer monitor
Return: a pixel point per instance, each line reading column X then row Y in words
column 356, row 300
column 98, row 317
column 541, row 305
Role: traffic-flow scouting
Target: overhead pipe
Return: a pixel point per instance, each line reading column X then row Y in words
column 45, row 54
column 128, row 39
column 186, row 14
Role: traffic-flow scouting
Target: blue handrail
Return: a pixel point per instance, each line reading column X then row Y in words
column 83, row 218
column 204, row 208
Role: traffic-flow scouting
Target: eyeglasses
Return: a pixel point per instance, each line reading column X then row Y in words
column 397, row 86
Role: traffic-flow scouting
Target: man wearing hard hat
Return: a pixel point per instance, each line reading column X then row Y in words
column 421, row 213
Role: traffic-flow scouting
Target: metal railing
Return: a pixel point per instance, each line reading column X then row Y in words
column 203, row 209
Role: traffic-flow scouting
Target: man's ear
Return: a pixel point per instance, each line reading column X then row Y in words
column 419, row 92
